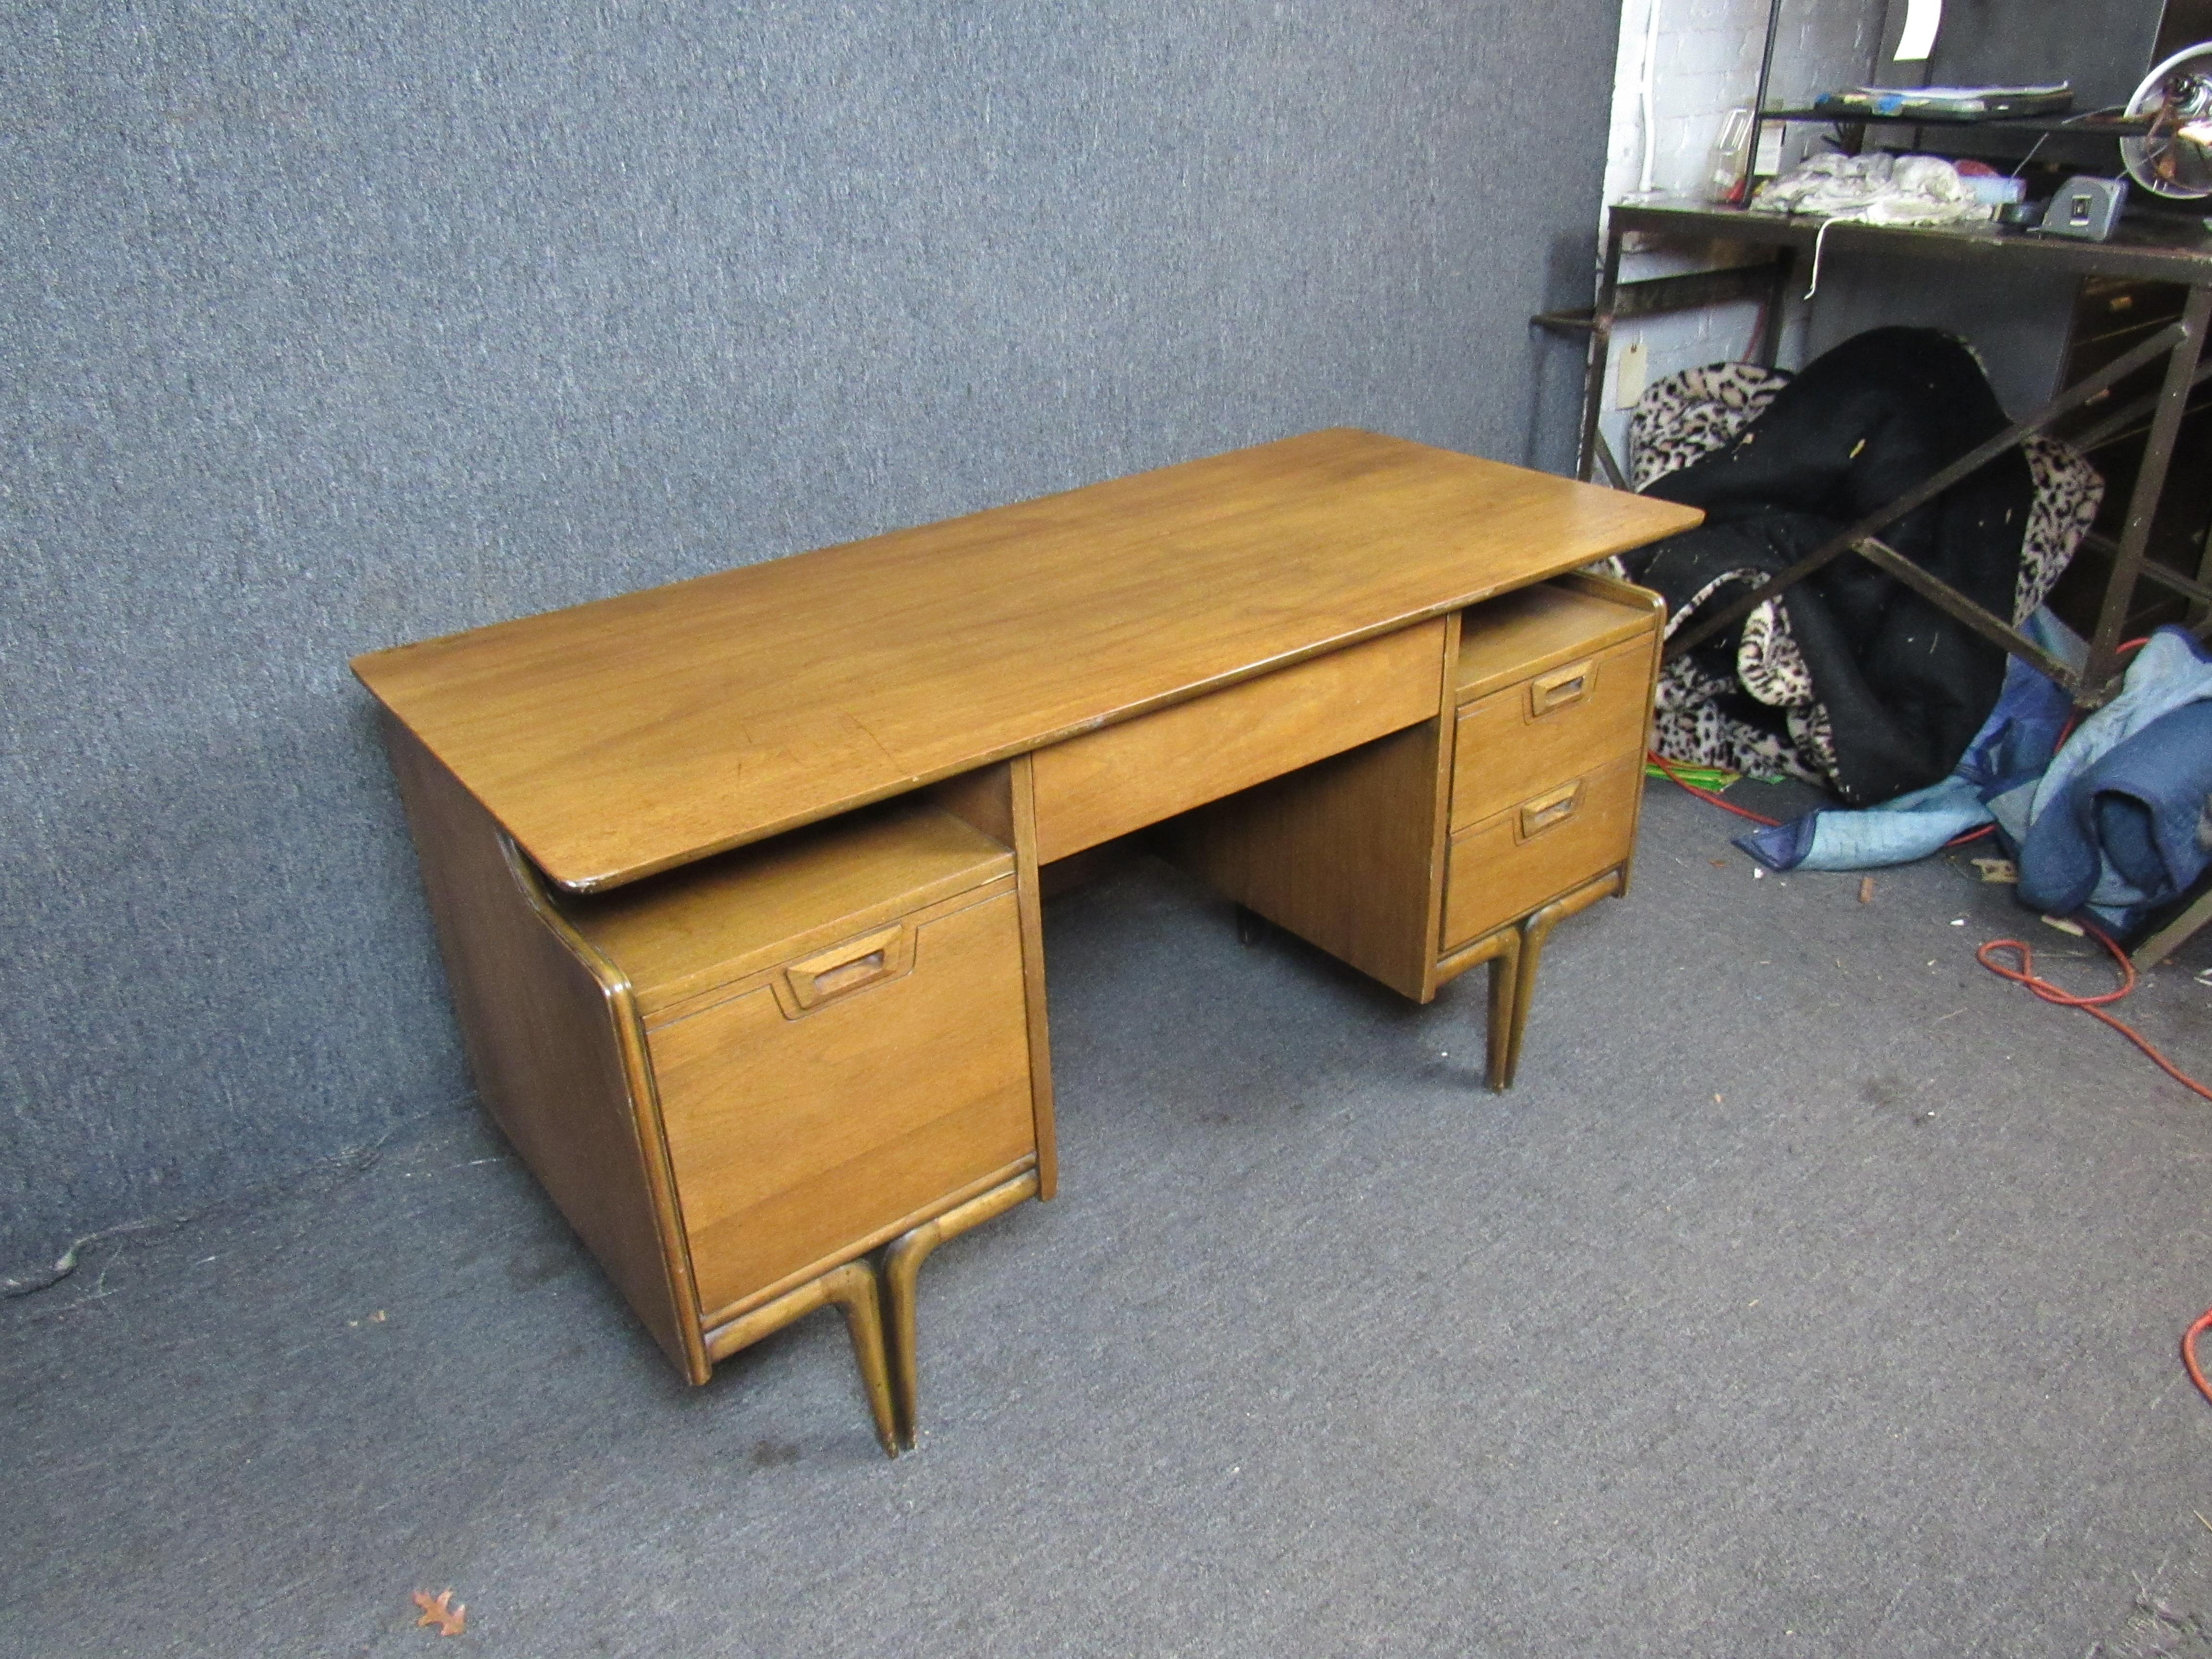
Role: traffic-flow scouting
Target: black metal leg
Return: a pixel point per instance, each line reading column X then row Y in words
column 2150, row 483
column 1601, row 343
column 1778, row 300
column 2200, row 612
column 1614, row 474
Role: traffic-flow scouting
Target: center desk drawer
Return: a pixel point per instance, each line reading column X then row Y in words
column 1108, row 782
column 1549, row 728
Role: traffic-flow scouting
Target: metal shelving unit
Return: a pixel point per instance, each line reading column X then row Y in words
column 2147, row 253
column 2179, row 251
column 2088, row 123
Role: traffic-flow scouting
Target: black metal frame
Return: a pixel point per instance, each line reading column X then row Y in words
column 2180, row 342
column 2135, row 252
column 2091, row 124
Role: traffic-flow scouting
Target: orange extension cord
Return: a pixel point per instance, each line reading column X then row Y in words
column 2189, row 1352
column 2023, row 973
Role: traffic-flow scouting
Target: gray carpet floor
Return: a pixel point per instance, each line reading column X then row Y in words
column 1814, row 1293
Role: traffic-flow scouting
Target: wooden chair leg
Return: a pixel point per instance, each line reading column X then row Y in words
column 1534, row 930
column 903, row 1260
column 853, row 1288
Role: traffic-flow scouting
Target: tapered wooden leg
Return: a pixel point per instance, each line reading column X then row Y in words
column 1504, row 989
column 853, row 1288
column 856, row 1292
column 1502, row 951
column 1534, row 930
column 903, row 1260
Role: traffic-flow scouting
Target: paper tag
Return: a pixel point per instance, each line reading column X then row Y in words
column 1631, row 370
column 1768, row 162
column 1922, row 19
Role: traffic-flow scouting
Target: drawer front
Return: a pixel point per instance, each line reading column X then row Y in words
column 1558, row 725
column 1106, row 783
column 806, row 1117
column 1538, row 848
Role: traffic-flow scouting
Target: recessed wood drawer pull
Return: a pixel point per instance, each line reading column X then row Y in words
column 1545, row 810
column 851, row 967
column 1562, row 686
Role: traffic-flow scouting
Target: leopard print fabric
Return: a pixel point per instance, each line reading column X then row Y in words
column 2068, row 493
column 1687, row 725
column 1688, row 416
column 1687, row 720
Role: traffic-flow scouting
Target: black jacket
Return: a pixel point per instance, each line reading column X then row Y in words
column 1905, row 686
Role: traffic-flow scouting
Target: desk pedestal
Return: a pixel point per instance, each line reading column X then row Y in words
column 1460, row 841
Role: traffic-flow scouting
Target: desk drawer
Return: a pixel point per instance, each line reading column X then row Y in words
column 1553, row 726
column 808, row 1116
column 1536, row 849
column 1106, row 783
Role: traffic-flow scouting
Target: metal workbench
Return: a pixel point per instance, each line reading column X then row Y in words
column 2145, row 251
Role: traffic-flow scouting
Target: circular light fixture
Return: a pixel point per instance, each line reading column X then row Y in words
column 2174, row 158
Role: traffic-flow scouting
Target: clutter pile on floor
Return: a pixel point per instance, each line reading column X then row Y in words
column 1851, row 681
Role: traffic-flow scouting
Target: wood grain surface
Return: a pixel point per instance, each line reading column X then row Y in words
column 623, row 737
column 679, row 936
column 1512, row 741
column 556, row 1047
column 1518, row 635
column 1108, row 783
column 999, row 801
column 1346, row 854
column 1510, row 864
column 1021, row 802
column 794, row 1139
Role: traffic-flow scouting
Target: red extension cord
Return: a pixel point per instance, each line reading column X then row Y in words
column 2189, row 1352
column 2023, row 973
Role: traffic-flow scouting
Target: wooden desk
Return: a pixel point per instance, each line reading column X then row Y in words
column 1273, row 636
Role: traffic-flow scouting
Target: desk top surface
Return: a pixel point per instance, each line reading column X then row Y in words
column 625, row 737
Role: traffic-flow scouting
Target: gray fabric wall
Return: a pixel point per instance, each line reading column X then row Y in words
column 323, row 331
